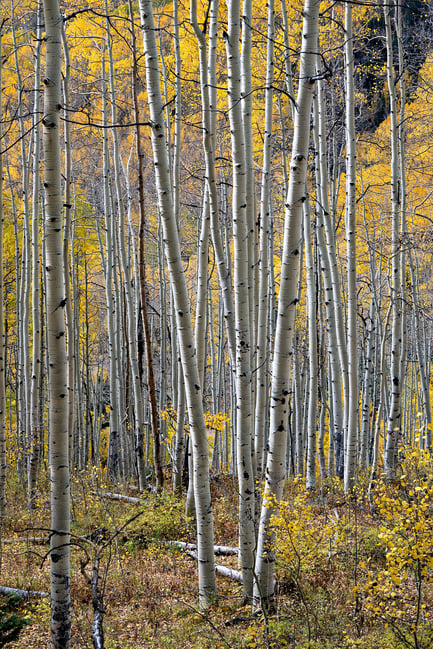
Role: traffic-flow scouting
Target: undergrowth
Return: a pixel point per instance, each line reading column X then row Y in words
column 351, row 573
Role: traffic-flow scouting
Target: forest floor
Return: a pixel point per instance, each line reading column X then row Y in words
column 347, row 572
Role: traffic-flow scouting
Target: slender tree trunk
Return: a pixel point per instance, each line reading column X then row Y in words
column 24, row 263
column 243, row 379
column 380, row 408
column 209, row 97
column 263, row 302
column 3, row 462
column 201, row 310
column 332, row 288
column 57, row 361
column 325, row 255
column 67, row 252
column 312, row 352
column 203, row 505
column 180, row 436
column 393, row 431
column 142, row 276
column 113, row 460
column 275, row 470
column 252, row 241
column 401, row 136
column 367, row 388
column 35, row 413
column 350, row 447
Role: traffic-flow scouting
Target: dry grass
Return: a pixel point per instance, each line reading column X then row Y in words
column 150, row 588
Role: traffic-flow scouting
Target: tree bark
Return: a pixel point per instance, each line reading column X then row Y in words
column 242, row 294
column 393, row 431
column 203, row 505
column 261, row 392
column 350, row 447
column 3, row 460
column 57, row 361
column 275, row 469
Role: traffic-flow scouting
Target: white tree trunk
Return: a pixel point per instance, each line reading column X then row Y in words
column 208, row 98
column 113, row 460
column 243, row 380
column 57, row 361
column 350, row 447
column 325, row 253
column 3, row 462
column 203, row 505
column 275, row 469
column 263, row 302
column 312, row 352
column 24, row 264
column 35, row 410
column 393, row 431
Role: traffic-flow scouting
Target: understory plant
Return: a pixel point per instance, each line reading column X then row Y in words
column 398, row 594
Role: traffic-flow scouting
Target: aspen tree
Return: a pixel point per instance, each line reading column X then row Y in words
column 67, row 248
column 113, row 460
column 287, row 298
column 163, row 327
column 367, row 388
column 202, row 273
column 203, row 505
column 173, row 130
column 352, row 406
column 381, row 404
column 142, row 275
column 179, row 436
column 373, row 379
column 57, row 361
column 421, row 353
column 208, row 85
column 333, row 293
column 312, row 351
column 250, row 198
column 208, row 89
column 265, row 207
column 322, row 380
column 35, row 402
column 127, row 287
column 24, row 261
column 242, row 295
column 394, row 415
column 3, row 462
column 200, row 328
column 17, row 358
column 402, row 183
column 326, row 252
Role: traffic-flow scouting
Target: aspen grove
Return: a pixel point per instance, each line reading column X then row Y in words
column 216, row 239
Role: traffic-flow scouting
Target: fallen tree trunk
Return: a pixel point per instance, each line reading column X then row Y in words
column 4, row 590
column 28, row 539
column 218, row 549
column 128, row 499
column 236, row 575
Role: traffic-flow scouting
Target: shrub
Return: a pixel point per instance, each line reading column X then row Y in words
column 11, row 623
column 396, row 593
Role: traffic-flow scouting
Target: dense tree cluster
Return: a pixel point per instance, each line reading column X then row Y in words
column 215, row 252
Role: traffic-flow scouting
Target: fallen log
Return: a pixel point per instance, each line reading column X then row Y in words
column 128, row 499
column 236, row 575
column 4, row 590
column 218, row 549
column 28, row 539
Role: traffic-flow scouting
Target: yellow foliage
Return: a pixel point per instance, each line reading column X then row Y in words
column 396, row 593
column 301, row 534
